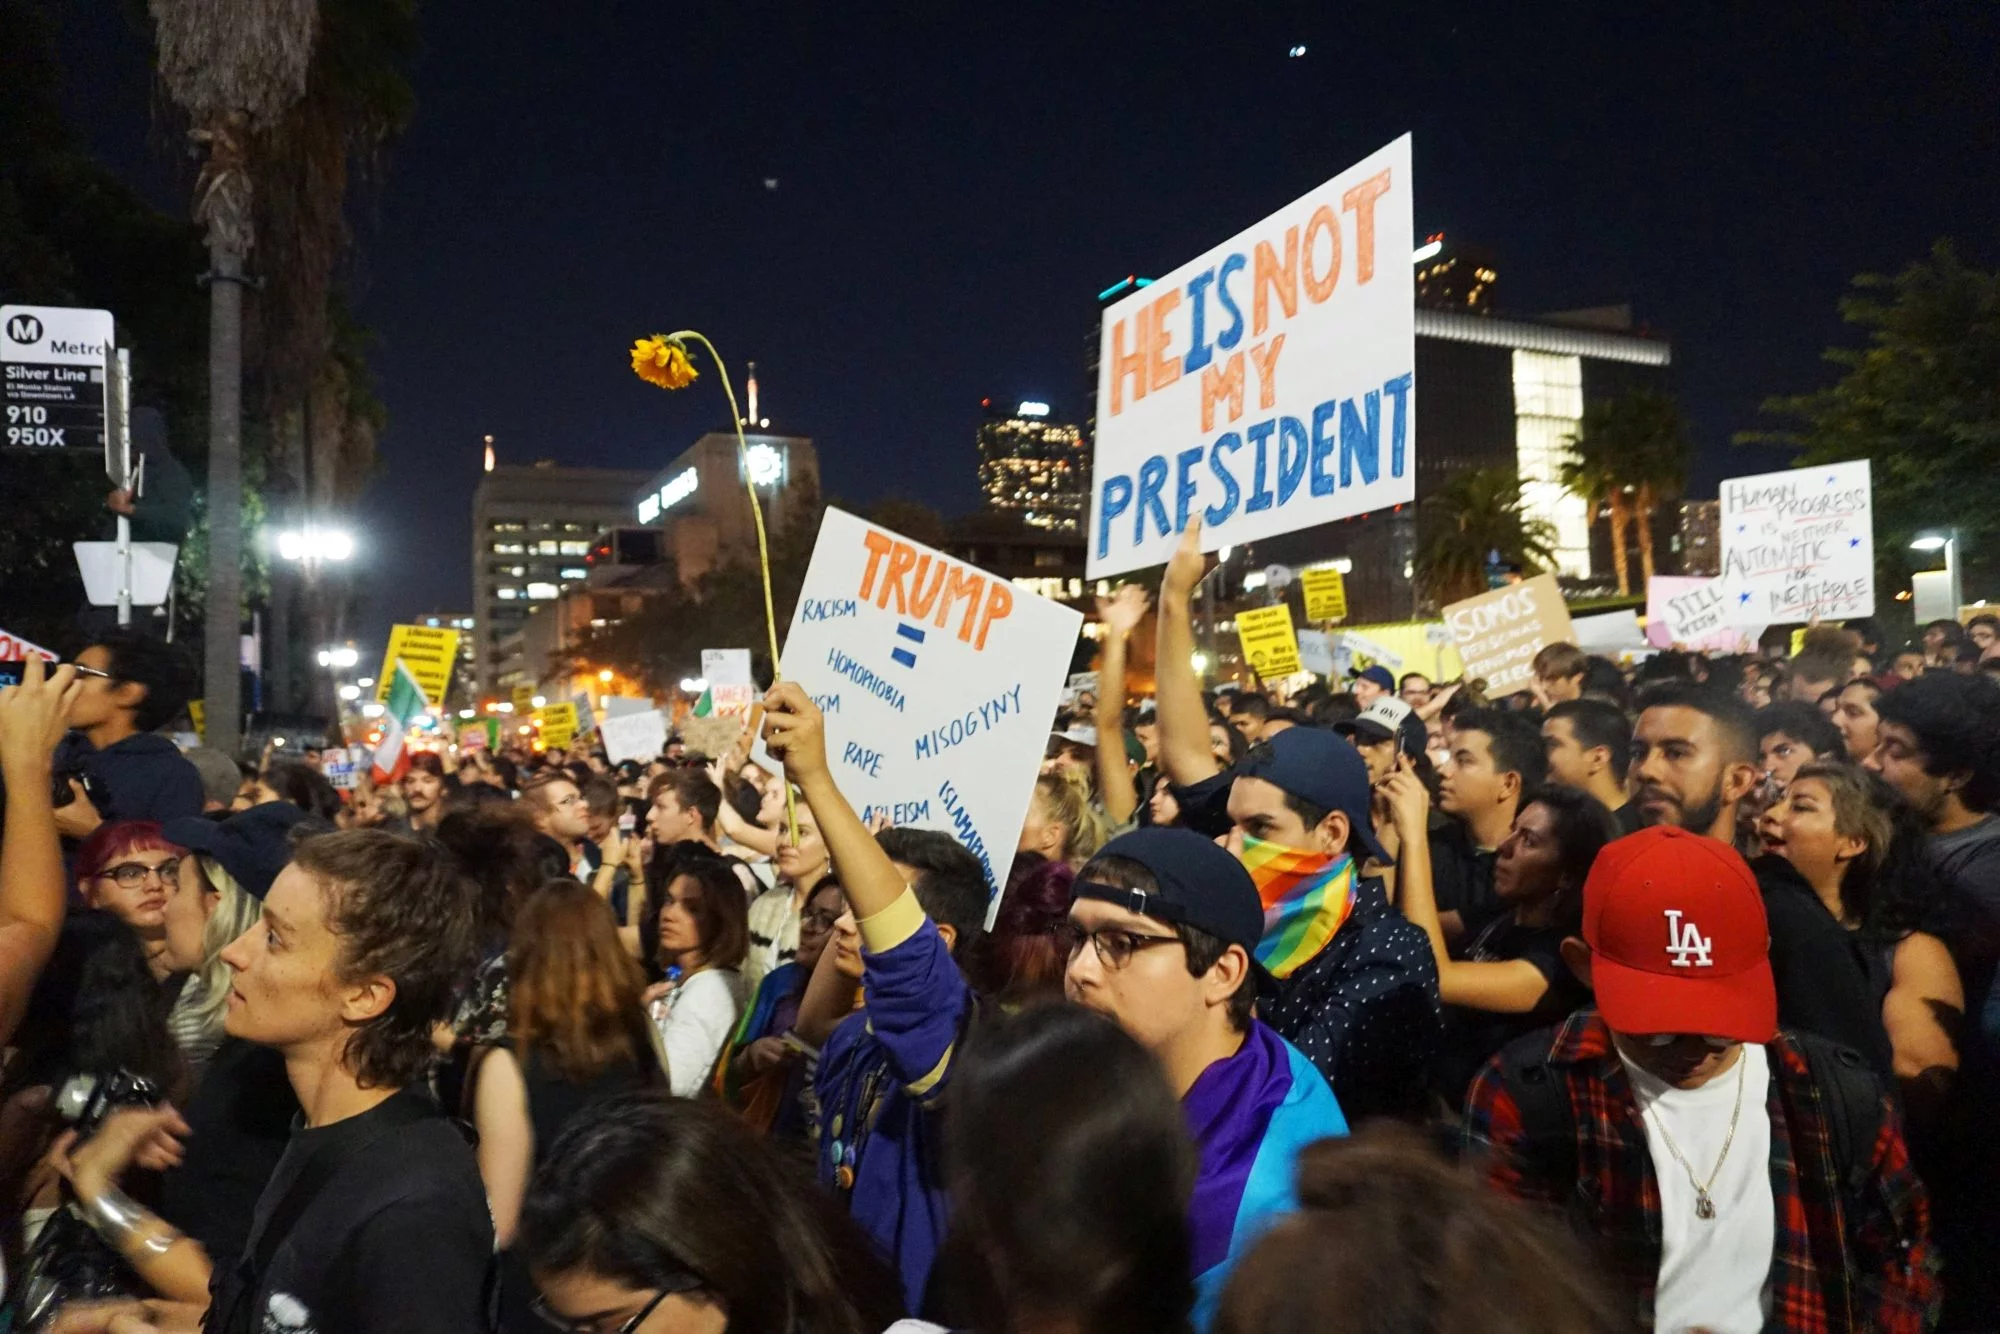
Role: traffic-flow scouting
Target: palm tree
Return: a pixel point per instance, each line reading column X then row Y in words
column 233, row 66
column 1628, row 457
column 1465, row 523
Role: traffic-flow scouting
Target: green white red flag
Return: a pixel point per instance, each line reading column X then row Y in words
column 405, row 702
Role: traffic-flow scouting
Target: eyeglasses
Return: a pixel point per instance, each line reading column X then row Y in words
column 819, row 921
column 131, row 875
column 540, row 1306
column 1660, row 1040
column 1114, row 944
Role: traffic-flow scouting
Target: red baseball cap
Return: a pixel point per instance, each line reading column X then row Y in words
column 1678, row 940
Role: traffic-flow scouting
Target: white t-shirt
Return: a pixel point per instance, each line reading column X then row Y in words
column 695, row 1020
column 1712, row 1271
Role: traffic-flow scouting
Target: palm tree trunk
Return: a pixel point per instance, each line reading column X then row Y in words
column 223, row 683
column 1620, row 561
column 1646, row 502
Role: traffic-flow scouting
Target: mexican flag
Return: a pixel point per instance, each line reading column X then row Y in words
column 406, row 701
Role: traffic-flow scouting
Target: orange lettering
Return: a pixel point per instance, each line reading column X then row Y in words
column 1265, row 357
column 920, row 600
column 878, row 546
column 1323, row 220
column 1166, row 368
column 960, row 583
column 900, row 561
column 999, row 602
column 1269, row 276
column 1224, row 381
column 1131, row 363
column 1360, row 201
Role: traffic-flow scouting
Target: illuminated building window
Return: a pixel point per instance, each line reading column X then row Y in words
column 541, row 592
column 548, row 548
column 575, row 548
column 506, row 594
column 575, row 572
column 1548, row 407
column 506, row 548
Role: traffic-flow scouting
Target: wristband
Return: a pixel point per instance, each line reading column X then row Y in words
column 116, row 1217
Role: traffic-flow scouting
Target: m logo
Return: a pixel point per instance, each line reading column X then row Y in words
column 24, row 329
column 1686, row 943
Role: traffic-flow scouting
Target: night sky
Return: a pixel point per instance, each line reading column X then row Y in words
column 955, row 182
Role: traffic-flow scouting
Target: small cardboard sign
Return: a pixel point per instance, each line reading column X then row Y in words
column 428, row 652
column 1316, row 652
column 558, row 724
column 1499, row 633
column 1326, row 594
column 633, row 736
column 1269, row 645
column 730, row 684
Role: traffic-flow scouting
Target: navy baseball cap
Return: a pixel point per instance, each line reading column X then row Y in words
column 253, row 845
column 1380, row 675
column 1199, row 884
column 1318, row 767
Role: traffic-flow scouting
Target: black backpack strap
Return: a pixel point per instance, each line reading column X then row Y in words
column 1851, row 1093
column 1541, row 1099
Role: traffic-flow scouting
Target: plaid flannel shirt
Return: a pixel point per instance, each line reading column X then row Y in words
column 1882, row 1277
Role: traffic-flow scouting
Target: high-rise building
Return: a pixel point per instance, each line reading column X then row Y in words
column 1454, row 277
column 1033, row 467
column 532, row 527
column 1699, row 541
column 699, row 505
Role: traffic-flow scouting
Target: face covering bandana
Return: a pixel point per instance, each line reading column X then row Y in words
column 1306, row 896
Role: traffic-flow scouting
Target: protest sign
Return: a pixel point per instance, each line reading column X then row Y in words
column 1268, row 643
column 1326, row 594
column 586, row 717
column 1499, row 633
column 1798, row 545
column 429, row 653
column 341, row 768
column 617, row 706
column 1607, row 632
column 937, row 680
column 1079, row 682
column 731, row 687
column 633, row 736
column 558, row 724
column 1266, row 385
column 1316, row 652
column 13, row 648
column 524, row 701
column 1693, row 613
column 1372, row 649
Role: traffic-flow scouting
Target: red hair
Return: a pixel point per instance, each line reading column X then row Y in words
column 112, row 841
column 1021, row 956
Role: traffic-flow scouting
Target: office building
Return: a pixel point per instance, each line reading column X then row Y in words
column 1454, row 277
column 1698, row 544
column 1033, row 468
column 700, row 504
column 532, row 527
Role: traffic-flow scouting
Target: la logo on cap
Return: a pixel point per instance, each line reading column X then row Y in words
column 1685, row 943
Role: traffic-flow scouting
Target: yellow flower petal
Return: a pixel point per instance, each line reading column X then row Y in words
column 660, row 361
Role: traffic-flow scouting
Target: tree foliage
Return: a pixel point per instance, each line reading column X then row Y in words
column 1629, row 456
column 1473, row 516
column 1920, row 400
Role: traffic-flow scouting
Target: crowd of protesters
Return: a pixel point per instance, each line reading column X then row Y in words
column 1656, row 996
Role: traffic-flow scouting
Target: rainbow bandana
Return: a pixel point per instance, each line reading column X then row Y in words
column 1306, row 896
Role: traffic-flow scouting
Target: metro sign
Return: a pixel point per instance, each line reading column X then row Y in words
column 53, row 362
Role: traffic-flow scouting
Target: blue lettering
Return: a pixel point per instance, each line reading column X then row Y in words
column 1260, row 492
column 1233, row 334
column 1152, row 480
column 1322, row 447
column 1201, row 353
column 826, row 609
column 1358, row 443
column 968, row 834
column 827, row 703
column 867, row 680
column 1113, row 501
column 1231, row 492
column 1398, row 389
column 1185, row 463
column 867, row 761
column 1291, row 456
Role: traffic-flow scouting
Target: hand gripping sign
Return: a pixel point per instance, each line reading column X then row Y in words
column 1266, row 385
column 938, row 681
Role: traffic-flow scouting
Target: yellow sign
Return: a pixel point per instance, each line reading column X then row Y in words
column 1269, row 645
column 198, row 711
column 428, row 654
column 524, row 701
column 558, row 723
column 1798, row 640
column 1326, row 595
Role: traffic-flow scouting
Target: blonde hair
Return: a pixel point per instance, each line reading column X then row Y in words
column 236, row 911
column 1065, row 797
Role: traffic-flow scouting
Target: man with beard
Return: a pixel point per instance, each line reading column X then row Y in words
column 1694, row 761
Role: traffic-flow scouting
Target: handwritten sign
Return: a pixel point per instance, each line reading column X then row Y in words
column 1269, row 645
column 730, row 684
column 1799, row 544
column 1267, row 384
column 1326, row 594
column 558, row 724
column 13, row 648
column 1372, row 649
column 633, row 736
column 1693, row 613
column 1499, row 633
column 1316, row 652
column 428, row 652
column 937, row 679
column 341, row 768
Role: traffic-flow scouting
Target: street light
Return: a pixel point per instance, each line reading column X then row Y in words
column 340, row 656
column 605, row 676
column 1947, row 542
column 316, row 544
column 350, row 693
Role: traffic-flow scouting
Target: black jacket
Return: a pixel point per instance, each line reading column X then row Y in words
column 143, row 777
column 1820, row 968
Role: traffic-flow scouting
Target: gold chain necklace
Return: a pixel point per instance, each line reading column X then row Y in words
column 1704, row 1203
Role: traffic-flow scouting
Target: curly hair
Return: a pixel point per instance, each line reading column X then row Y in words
column 403, row 909
column 1956, row 722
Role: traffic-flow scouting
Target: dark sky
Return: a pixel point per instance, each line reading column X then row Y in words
column 956, row 181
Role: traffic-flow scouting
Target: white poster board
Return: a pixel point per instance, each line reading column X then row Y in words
column 1265, row 385
column 633, row 736
column 1316, row 652
column 938, row 682
column 730, row 684
column 1799, row 544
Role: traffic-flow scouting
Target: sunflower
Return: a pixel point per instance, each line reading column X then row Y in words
column 658, row 360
